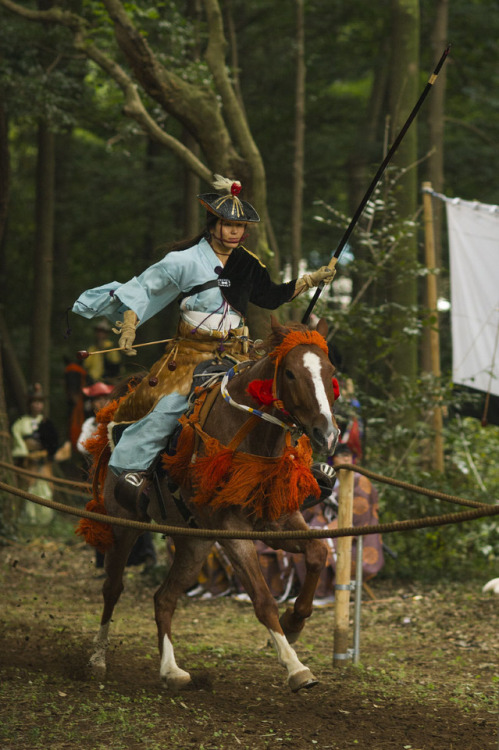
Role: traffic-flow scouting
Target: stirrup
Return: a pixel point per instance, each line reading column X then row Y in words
column 130, row 489
column 325, row 476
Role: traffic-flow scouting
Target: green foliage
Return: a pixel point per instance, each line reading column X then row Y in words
column 116, row 202
column 395, row 446
column 39, row 74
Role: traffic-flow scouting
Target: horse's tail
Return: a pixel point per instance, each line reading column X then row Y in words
column 97, row 533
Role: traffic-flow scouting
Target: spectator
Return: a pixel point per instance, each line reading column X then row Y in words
column 282, row 571
column 102, row 366
column 98, row 393
column 75, row 379
column 35, row 447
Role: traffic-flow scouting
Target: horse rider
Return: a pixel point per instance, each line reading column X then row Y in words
column 214, row 276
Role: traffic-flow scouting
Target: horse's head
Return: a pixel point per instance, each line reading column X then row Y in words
column 304, row 381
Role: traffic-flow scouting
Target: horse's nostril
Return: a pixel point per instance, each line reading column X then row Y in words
column 318, row 436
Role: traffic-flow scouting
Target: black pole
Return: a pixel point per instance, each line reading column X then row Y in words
column 377, row 178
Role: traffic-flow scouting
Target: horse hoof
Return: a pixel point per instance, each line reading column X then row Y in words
column 302, row 679
column 176, row 681
column 97, row 664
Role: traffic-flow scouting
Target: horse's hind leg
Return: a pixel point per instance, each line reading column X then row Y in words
column 244, row 558
column 190, row 553
column 114, row 565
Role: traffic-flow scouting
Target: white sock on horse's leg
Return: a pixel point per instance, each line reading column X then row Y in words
column 169, row 672
column 101, row 640
column 299, row 676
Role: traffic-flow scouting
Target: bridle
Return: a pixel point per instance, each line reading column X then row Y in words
column 292, row 339
column 253, row 411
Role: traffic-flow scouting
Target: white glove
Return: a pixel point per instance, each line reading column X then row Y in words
column 126, row 329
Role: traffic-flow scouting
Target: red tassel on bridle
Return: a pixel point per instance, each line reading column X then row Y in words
column 261, row 391
column 264, row 391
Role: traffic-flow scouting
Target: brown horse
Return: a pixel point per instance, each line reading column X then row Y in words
column 300, row 378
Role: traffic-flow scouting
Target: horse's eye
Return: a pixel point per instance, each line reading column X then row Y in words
column 289, row 374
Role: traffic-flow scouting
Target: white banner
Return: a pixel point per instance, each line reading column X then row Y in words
column 474, row 265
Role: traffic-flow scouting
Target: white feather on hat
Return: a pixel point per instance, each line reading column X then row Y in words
column 223, row 184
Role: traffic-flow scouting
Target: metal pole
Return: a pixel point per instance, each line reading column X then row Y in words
column 358, row 599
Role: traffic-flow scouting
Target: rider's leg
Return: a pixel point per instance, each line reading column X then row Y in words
column 140, row 443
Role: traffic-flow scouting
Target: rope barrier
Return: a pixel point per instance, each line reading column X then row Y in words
column 35, row 475
column 420, row 523
column 414, row 487
column 348, row 467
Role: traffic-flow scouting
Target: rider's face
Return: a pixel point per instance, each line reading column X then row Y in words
column 229, row 233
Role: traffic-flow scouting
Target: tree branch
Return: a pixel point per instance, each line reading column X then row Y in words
column 215, row 58
column 133, row 106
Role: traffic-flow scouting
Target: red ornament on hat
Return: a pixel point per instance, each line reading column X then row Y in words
column 235, row 188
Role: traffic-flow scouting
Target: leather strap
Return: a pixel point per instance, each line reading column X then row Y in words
column 197, row 289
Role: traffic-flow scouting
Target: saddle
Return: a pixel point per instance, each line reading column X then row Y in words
column 205, row 376
column 208, row 374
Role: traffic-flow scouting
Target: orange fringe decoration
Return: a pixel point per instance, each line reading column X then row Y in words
column 96, row 533
column 295, row 338
column 267, row 487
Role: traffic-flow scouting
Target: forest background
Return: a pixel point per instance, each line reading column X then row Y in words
column 114, row 116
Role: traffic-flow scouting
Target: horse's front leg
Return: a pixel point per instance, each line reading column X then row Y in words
column 190, row 553
column 244, row 558
column 114, row 565
column 315, row 551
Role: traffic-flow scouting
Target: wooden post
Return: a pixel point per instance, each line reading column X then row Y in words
column 438, row 452
column 343, row 569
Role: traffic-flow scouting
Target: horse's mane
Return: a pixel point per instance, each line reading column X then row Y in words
column 278, row 334
column 126, row 385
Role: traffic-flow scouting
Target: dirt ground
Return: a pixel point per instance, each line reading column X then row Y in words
column 428, row 677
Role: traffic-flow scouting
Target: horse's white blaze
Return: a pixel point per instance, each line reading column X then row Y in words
column 286, row 655
column 169, row 669
column 313, row 364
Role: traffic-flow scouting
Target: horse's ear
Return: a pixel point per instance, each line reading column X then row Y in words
column 322, row 327
column 274, row 323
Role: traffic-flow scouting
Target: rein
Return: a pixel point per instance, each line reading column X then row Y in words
column 251, row 409
column 294, row 338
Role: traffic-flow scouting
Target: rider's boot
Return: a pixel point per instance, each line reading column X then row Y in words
column 131, row 490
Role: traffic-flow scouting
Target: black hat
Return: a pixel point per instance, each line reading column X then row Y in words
column 35, row 393
column 225, row 203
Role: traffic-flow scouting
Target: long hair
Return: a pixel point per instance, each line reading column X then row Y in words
column 183, row 244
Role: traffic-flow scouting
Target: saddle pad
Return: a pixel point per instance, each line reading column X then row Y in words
column 212, row 370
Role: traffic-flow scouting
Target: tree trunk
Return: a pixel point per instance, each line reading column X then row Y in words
column 435, row 164
column 404, row 91
column 10, row 505
column 4, row 186
column 12, row 368
column 436, row 109
column 43, row 260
